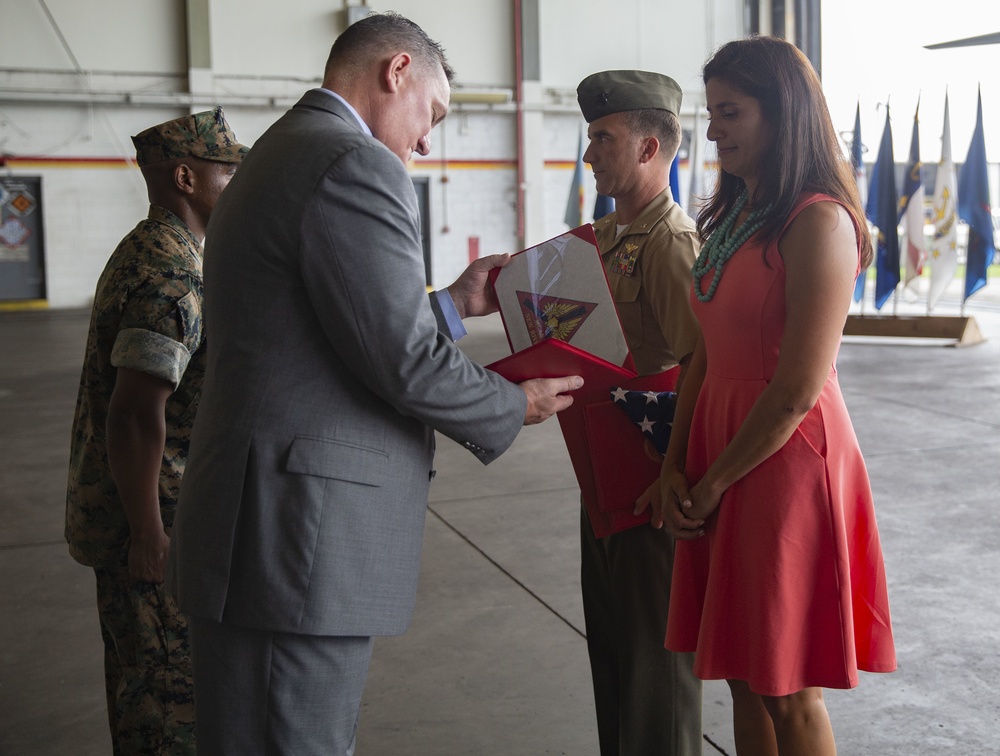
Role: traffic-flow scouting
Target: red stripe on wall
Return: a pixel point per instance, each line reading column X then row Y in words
column 47, row 161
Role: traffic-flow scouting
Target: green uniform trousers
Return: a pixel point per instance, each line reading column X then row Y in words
column 147, row 666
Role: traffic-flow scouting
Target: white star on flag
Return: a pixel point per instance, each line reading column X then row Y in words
column 651, row 411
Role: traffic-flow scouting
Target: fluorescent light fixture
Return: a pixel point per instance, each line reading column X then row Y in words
column 489, row 96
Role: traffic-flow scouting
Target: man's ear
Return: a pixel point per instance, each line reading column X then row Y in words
column 396, row 69
column 184, row 178
column 650, row 149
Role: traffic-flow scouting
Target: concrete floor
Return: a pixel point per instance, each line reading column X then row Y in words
column 495, row 663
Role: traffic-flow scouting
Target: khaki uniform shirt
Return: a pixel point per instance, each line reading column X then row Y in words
column 649, row 271
column 146, row 317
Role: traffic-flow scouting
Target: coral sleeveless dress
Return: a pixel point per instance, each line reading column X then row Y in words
column 786, row 589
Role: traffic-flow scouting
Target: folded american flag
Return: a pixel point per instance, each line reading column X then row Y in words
column 652, row 411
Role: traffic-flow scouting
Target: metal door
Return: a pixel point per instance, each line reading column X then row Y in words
column 422, row 187
column 22, row 251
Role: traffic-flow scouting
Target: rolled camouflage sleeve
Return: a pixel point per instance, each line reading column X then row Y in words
column 152, row 353
column 161, row 336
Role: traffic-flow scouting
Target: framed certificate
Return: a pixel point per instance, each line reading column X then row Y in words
column 558, row 290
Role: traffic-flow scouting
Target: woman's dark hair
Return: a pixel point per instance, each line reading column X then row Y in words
column 805, row 155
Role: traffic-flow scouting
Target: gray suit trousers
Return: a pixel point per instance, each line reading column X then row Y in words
column 261, row 693
column 647, row 698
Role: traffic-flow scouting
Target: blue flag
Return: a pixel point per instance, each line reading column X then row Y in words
column 574, row 203
column 974, row 209
column 912, row 180
column 603, row 205
column 911, row 207
column 652, row 411
column 675, row 182
column 857, row 160
column 882, row 211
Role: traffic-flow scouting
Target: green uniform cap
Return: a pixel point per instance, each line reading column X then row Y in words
column 608, row 92
column 202, row 135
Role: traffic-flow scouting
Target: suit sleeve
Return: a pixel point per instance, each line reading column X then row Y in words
column 363, row 268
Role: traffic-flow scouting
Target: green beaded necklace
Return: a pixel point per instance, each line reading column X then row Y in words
column 720, row 246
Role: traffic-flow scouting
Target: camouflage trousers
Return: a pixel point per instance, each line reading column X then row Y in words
column 147, row 666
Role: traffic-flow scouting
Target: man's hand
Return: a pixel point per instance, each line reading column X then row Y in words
column 147, row 556
column 546, row 396
column 471, row 292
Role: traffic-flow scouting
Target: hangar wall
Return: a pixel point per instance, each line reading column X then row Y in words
column 77, row 79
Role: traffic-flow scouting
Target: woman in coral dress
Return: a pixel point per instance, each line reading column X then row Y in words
column 778, row 584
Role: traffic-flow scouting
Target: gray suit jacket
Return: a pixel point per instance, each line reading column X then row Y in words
column 302, row 506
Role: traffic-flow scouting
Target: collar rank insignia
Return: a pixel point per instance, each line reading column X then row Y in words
column 651, row 411
column 623, row 261
column 552, row 317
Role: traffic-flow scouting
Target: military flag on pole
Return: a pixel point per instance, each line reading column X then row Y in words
column 861, row 179
column 574, row 203
column 675, row 179
column 911, row 207
column 974, row 208
column 603, row 206
column 882, row 212
column 943, row 253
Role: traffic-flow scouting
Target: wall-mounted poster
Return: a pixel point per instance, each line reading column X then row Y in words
column 22, row 269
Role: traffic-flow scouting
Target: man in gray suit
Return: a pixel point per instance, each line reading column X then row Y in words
column 300, row 524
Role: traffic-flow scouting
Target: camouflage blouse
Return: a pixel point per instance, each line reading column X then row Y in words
column 146, row 317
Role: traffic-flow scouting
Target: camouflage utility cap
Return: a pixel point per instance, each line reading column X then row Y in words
column 202, row 135
column 608, row 92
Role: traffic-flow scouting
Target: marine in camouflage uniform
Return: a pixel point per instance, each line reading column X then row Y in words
column 147, row 318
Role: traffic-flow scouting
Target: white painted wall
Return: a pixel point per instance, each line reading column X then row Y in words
column 674, row 37
column 102, row 34
column 260, row 47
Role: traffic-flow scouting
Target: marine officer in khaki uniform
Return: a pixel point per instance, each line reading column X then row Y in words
column 139, row 390
column 647, row 698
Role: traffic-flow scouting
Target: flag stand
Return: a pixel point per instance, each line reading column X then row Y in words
column 963, row 330
column 881, row 210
